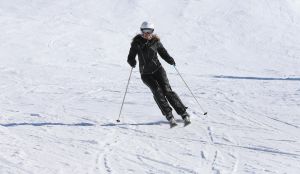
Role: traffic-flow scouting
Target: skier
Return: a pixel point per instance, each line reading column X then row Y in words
column 146, row 45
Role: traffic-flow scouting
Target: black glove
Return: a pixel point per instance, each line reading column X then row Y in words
column 172, row 61
column 132, row 63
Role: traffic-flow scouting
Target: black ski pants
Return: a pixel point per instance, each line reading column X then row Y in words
column 162, row 92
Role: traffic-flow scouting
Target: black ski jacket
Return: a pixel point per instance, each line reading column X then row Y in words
column 147, row 54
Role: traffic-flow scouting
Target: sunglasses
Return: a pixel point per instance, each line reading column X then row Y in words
column 147, row 30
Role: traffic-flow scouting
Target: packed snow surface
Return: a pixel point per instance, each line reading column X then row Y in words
column 63, row 74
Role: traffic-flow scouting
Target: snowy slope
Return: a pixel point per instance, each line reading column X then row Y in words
column 63, row 74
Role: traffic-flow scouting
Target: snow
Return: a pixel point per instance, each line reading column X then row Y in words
column 63, row 74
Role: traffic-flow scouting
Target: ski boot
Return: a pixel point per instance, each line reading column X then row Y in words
column 171, row 120
column 186, row 118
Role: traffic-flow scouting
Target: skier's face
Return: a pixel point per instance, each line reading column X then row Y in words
column 147, row 34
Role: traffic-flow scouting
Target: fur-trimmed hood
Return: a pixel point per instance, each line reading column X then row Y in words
column 139, row 38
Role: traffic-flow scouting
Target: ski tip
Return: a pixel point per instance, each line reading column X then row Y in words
column 186, row 124
column 173, row 125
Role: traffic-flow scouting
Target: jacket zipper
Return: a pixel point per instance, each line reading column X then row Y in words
column 143, row 68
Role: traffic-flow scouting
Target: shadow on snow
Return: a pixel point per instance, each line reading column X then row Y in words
column 256, row 78
column 46, row 124
column 137, row 124
column 141, row 124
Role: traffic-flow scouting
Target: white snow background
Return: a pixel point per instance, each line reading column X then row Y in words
column 63, row 74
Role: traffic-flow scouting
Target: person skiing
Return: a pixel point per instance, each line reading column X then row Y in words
column 146, row 45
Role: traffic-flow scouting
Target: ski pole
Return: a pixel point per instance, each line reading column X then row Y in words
column 118, row 120
column 204, row 113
